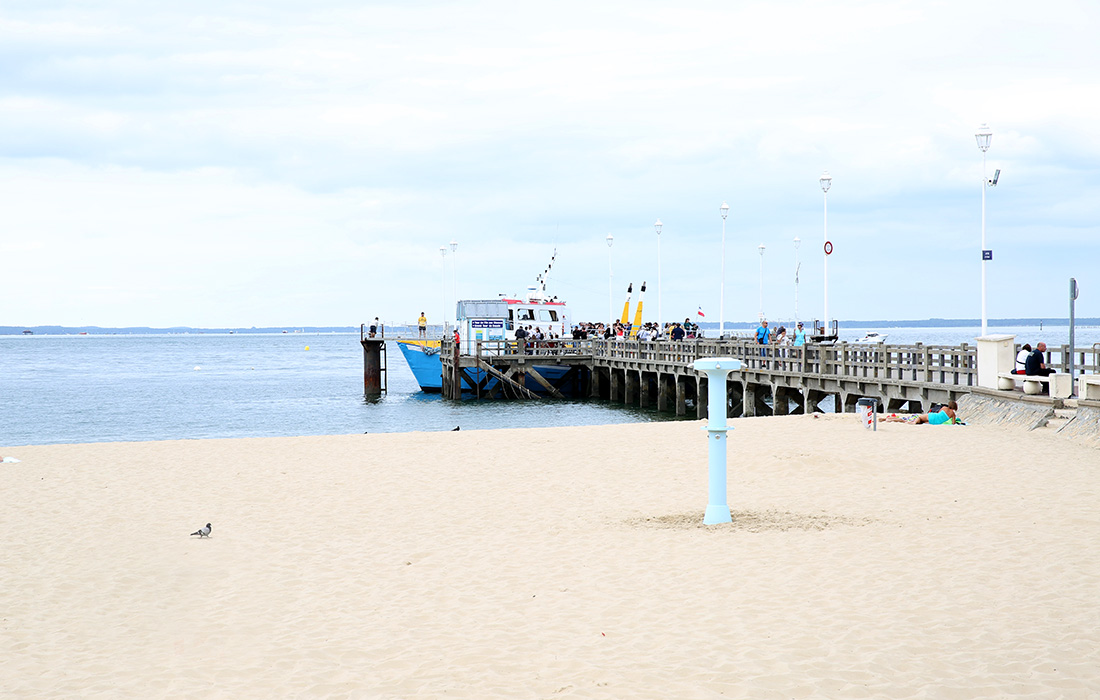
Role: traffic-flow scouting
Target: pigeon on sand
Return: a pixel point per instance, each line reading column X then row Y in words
column 202, row 532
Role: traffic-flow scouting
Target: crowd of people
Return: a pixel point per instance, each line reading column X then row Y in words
column 646, row 332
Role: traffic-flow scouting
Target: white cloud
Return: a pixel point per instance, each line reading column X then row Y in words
column 219, row 164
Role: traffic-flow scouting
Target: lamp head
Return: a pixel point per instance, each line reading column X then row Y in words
column 442, row 251
column 826, row 181
column 454, row 245
column 797, row 241
column 725, row 209
column 610, row 239
column 658, row 226
column 983, row 137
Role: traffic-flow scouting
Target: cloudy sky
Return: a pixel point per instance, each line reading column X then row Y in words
column 288, row 163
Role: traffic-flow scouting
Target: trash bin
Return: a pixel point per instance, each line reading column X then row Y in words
column 867, row 410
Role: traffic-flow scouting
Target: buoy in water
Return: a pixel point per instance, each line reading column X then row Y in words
column 307, row 347
column 197, row 368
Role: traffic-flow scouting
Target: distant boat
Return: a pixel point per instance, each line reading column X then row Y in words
column 872, row 337
column 28, row 332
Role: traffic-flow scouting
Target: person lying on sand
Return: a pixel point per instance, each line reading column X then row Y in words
column 945, row 416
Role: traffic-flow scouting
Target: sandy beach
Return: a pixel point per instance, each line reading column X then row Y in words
column 912, row 562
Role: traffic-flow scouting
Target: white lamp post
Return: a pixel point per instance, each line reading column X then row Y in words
column 797, row 265
column 826, row 183
column 984, row 136
column 454, row 270
column 761, row 249
column 443, row 284
column 658, row 226
column 610, row 276
column 725, row 209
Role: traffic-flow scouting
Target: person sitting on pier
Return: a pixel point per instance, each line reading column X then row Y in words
column 1036, row 362
column 1021, row 359
column 945, row 416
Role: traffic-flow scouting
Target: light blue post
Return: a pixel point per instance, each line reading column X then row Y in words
column 717, row 369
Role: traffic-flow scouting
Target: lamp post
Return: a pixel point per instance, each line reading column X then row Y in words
column 610, row 276
column 761, row 249
column 797, row 265
column 826, row 182
column 725, row 209
column 443, row 284
column 454, row 271
column 984, row 136
column 658, row 226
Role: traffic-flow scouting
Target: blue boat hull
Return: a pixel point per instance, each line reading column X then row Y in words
column 422, row 356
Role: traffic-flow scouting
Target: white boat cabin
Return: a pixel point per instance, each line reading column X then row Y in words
column 497, row 319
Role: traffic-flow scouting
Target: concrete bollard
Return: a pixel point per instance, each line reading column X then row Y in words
column 717, row 369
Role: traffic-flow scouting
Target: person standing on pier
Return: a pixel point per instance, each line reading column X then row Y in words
column 799, row 336
column 422, row 323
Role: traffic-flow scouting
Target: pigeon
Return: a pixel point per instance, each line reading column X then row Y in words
column 202, row 532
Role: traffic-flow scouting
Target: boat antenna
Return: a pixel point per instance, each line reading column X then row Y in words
column 541, row 279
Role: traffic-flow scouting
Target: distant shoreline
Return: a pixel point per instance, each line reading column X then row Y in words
column 708, row 325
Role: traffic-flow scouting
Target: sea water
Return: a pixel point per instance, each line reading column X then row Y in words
column 107, row 388
column 104, row 388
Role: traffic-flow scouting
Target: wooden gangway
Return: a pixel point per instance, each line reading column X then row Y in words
column 775, row 379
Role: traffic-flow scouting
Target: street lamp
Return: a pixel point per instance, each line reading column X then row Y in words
column 454, row 270
column 725, row 209
column 984, row 136
column 761, row 249
column 797, row 265
column 610, row 276
column 826, row 183
column 658, row 226
column 443, row 284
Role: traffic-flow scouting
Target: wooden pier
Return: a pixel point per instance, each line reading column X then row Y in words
column 774, row 380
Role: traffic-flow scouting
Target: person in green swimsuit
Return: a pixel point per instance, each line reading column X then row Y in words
column 945, row 416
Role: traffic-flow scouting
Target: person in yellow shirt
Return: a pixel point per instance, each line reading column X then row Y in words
column 422, row 322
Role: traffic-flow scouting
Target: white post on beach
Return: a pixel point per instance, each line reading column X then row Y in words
column 717, row 369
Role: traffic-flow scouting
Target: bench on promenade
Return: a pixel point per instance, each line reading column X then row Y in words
column 1060, row 384
column 1088, row 387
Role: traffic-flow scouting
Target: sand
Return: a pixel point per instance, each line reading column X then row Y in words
column 912, row 562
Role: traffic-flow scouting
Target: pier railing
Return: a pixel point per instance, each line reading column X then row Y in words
column 955, row 365
column 880, row 362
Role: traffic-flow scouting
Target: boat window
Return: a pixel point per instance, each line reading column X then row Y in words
column 548, row 315
column 527, row 314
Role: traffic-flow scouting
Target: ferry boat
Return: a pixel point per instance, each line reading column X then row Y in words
column 488, row 320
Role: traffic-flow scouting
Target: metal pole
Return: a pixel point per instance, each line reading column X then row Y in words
column 454, row 271
column 610, row 277
column 761, row 281
column 722, row 286
column 659, row 314
column 1072, row 302
column 983, row 243
column 826, row 263
column 797, row 242
column 443, row 286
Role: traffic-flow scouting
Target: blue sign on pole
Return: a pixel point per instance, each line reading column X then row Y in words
column 987, row 255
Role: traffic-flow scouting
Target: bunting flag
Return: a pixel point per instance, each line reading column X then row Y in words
column 701, row 314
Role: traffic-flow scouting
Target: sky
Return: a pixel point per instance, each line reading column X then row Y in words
column 225, row 164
